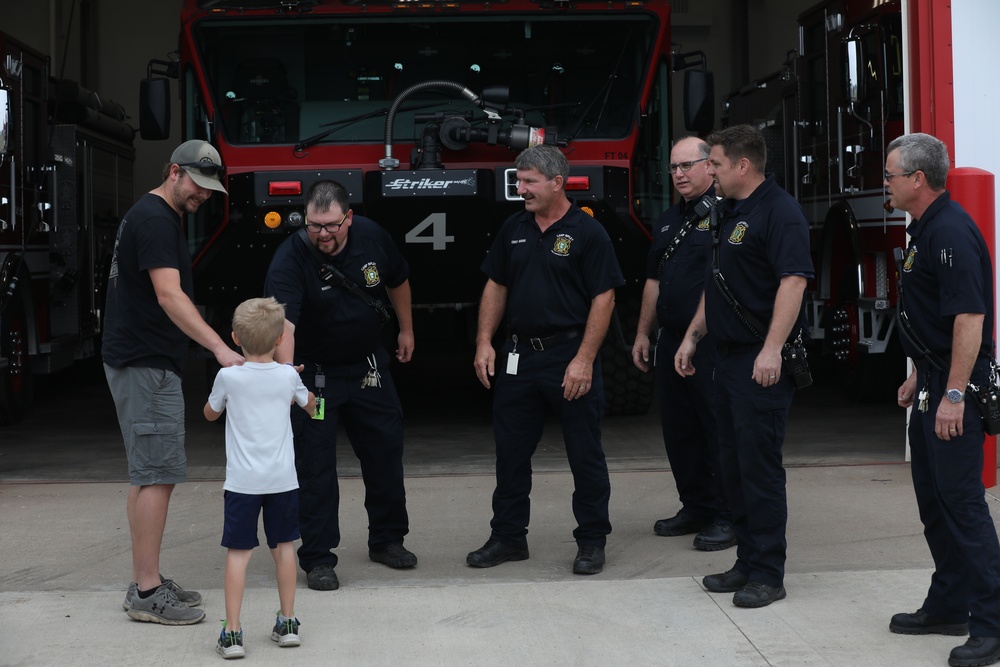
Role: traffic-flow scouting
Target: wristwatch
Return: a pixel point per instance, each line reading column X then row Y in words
column 955, row 395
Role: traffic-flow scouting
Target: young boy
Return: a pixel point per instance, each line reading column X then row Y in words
column 260, row 465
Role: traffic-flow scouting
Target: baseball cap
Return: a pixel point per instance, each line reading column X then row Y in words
column 202, row 163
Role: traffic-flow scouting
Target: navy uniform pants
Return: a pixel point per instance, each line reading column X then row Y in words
column 751, row 430
column 947, row 480
column 520, row 405
column 373, row 421
column 686, row 415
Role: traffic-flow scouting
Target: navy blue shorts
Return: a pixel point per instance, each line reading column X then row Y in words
column 281, row 519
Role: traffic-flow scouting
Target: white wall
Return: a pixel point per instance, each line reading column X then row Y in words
column 977, row 86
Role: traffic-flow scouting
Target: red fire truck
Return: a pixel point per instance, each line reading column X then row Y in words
column 864, row 72
column 828, row 116
column 419, row 109
column 65, row 180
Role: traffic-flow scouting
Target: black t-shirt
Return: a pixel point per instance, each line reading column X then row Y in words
column 551, row 277
column 762, row 238
column 683, row 276
column 332, row 324
column 137, row 331
column 946, row 272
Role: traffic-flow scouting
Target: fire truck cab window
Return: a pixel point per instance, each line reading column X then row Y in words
column 278, row 81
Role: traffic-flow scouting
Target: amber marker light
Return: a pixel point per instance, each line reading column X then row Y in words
column 272, row 219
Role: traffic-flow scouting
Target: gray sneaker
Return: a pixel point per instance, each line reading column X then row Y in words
column 190, row 598
column 133, row 590
column 164, row 607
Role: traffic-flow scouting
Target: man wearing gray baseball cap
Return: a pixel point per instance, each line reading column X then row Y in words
column 202, row 163
column 150, row 317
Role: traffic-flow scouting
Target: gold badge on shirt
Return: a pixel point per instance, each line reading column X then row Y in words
column 736, row 238
column 370, row 272
column 562, row 244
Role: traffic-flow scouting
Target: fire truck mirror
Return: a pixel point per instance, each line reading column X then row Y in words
column 154, row 108
column 855, row 82
column 4, row 121
column 699, row 101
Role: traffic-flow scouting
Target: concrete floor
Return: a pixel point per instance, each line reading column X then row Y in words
column 856, row 551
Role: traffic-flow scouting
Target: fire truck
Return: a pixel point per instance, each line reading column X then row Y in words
column 419, row 109
column 864, row 72
column 65, row 180
column 828, row 115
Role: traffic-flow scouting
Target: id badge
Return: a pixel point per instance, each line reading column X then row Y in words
column 320, row 409
column 512, row 363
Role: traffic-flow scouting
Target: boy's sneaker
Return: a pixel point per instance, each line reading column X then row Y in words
column 163, row 607
column 286, row 632
column 190, row 598
column 230, row 644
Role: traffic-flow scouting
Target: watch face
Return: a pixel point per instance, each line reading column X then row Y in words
column 955, row 395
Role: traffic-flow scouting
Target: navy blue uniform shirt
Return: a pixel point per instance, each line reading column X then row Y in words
column 762, row 238
column 946, row 272
column 683, row 276
column 552, row 277
column 332, row 324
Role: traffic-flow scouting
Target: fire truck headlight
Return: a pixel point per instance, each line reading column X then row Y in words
column 272, row 219
column 295, row 219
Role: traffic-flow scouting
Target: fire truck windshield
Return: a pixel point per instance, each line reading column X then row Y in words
column 283, row 80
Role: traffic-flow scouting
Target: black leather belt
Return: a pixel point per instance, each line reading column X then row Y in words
column 541, row 343
column 737, row 348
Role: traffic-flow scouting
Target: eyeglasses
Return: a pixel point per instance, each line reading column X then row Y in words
column 330, row 228
column 685, row 166
column 887, row 176
column 205, row 168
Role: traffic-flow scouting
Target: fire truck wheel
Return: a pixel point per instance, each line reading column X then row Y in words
column 627, row 390
column 16, row 387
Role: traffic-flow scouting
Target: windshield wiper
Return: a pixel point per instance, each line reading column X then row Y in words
column 604, row 91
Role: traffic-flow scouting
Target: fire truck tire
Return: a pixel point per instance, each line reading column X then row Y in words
column 16, row 386
column 627, row 390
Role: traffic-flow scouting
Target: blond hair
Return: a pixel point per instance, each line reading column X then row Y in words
column 257, row 323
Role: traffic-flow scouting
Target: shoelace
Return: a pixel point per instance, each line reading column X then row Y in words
column 232, row 638
column 171, row 599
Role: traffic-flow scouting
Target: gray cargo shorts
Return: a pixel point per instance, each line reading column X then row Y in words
column 150, row 408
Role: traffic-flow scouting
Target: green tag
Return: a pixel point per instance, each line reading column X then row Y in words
column 320, row 408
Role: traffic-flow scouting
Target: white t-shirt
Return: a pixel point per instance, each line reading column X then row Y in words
column 256, row 397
